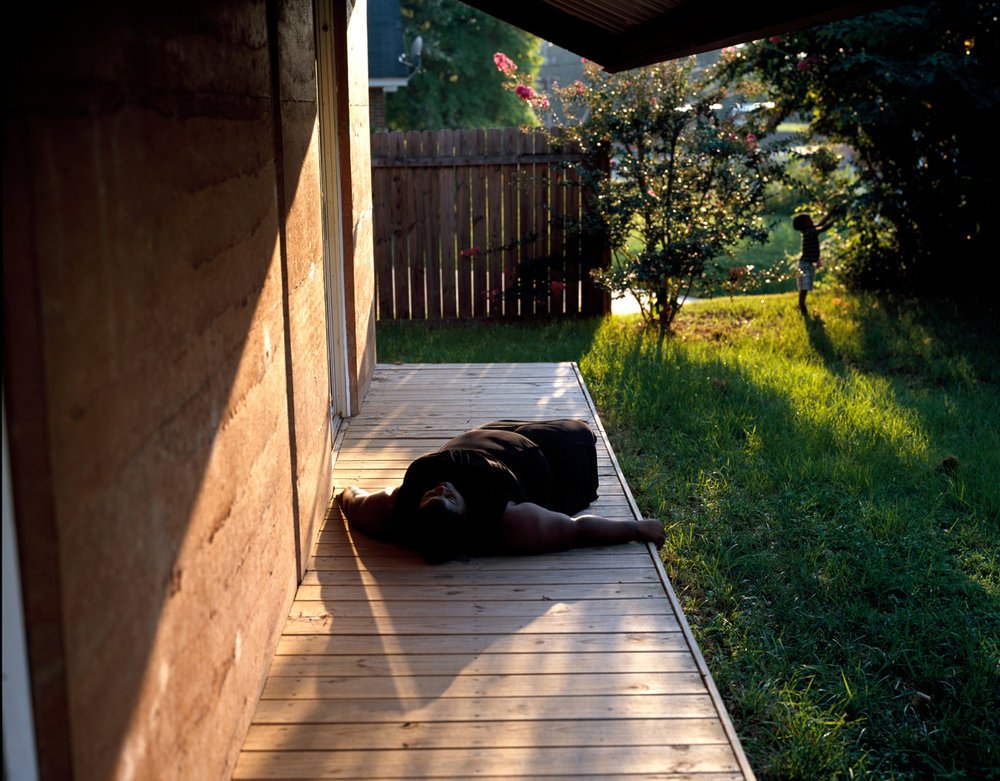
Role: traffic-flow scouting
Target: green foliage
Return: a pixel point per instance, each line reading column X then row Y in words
column 829, row 492
column 914, row 91
column 456, row 85
column 812, row 179
column 668, row 160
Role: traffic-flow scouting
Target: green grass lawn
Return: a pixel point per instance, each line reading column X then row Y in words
column 831, row 494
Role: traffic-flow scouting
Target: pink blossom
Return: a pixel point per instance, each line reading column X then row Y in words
column 468, row 253
column 524, row 92
column 504, row 63
column 775, row 39
column 528, row 95
column 557, row 287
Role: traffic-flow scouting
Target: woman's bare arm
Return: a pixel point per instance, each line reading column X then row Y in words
column 529, row 528
column 369, row 513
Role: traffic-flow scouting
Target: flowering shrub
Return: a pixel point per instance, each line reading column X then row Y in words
column 517, row 83
column 673, row 178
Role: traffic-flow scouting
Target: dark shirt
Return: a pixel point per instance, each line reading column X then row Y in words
column 550, row 463
column 810, row 245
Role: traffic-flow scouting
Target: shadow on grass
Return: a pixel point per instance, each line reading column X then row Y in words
column 463, row 341
column 941, row 341
column 821, row 559
column 822, row 344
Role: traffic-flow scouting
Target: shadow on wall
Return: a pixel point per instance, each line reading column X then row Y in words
column 146, row 356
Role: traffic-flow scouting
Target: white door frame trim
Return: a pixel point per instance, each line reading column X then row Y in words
column 332, row 205
column 19, row 747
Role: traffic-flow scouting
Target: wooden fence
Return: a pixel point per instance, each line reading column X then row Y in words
column 479, row 223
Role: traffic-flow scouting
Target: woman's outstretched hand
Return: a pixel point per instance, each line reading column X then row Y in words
column 350, row 499
column 371, row 513
column 652, row 531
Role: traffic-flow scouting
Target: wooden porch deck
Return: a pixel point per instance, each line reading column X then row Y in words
column 570, row 665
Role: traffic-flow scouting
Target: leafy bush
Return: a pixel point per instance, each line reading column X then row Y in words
column 911, row 90
column 675, row 176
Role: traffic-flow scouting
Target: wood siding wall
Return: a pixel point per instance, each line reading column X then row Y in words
column 165, row 363
column 479, row 223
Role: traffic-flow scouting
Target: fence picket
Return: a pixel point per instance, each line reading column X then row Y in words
column 432, row 259
column 480, row 240
column 526, row 216
column 494, row 224
column 446, row 226
column 418, row 248
column 400, row 249
column 508, row 260
column 463, row 229
column 543, row 223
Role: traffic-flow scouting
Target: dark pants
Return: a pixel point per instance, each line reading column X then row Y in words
column 570, row 448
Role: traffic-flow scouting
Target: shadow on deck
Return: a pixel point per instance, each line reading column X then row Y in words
column 568, row 665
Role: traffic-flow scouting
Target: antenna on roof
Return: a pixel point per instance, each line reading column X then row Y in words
column 413, row 60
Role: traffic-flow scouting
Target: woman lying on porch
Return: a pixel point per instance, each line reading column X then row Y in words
column 505, row 488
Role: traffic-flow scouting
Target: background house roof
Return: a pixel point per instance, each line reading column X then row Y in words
column 385, row 45
column 630, row 33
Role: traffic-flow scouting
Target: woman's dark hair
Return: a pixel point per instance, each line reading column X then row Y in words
column 440, row 532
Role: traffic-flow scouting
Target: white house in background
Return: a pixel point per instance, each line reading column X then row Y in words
column 390, row 61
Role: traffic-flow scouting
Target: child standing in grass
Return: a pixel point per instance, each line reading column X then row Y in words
column 809, row 259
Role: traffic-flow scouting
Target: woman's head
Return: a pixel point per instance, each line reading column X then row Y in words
column 439, row 520
column 445, row 496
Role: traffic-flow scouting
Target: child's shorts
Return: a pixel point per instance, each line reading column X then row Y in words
column 807, row 275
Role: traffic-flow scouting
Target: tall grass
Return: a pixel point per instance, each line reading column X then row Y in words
column 831, row 496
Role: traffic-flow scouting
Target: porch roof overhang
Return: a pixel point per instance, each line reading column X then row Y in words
column 631, row 33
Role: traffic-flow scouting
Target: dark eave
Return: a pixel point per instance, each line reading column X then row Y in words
column 630, row 33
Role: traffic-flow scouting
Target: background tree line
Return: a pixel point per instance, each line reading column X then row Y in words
column 913, row 92
column 456, row 85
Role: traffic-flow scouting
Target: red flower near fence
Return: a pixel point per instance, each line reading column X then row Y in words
column 527, row 94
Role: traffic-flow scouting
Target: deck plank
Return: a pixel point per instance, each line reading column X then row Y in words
column 403, row 735
column 570, row 665
column 472, row 709
column 577, row 761
column 374, row 665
